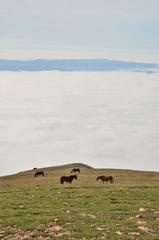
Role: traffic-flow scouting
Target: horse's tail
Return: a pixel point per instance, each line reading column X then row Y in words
column 61, row 180
column 111, row 179
column 35, row 174
column 97, row 178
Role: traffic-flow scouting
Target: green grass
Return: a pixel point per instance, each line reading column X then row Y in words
column 86, row 209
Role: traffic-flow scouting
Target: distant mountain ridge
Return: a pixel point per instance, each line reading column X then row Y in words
column 76, row 65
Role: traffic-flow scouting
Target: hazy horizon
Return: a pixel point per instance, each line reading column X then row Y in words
column 77, row 65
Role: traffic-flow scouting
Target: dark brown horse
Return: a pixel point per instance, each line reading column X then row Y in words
column 68, row 179
column 105, row 178
column 75, row 170
column 39, row 173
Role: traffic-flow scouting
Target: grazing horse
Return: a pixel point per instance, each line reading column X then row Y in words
column 39, row 173
column 68, row 178
column 105, row 178
column 75, row 170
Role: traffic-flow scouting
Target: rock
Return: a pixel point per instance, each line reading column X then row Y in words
column 145, row 229
column 119, row 233
column 56, row 220
column 100, row 228
column 141, row 222
column 91, row 216
column 142, row 209
column 88, row 215
column 138, row 216
column 134, row 233
column 21, row 206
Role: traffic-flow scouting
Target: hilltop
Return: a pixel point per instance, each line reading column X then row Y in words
column 50, row 169
column 123, row 177
column 69, row 166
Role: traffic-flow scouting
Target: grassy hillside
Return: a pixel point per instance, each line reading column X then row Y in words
column 42, row 208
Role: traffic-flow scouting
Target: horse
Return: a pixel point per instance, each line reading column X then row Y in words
column 39, row 173
column 75, row 170
column 68, row 178
column 105, row 178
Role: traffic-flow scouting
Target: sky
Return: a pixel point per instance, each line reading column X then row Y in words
column 125, row 29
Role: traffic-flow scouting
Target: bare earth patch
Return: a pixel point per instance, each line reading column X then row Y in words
column 42, row 232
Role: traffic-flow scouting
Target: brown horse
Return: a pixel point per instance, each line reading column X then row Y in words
column 75, row 170
column 105, row 178
column 68, row 178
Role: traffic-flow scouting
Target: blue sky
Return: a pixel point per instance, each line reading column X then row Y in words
column 122, row 29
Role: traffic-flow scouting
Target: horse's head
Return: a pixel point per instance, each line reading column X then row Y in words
column 75, row 177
